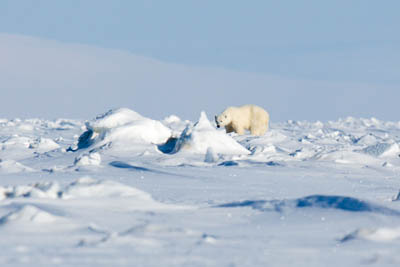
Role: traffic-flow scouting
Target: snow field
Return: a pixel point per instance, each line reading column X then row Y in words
column 123, row 189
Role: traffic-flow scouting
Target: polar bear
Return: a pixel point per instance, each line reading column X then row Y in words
column 247, row 117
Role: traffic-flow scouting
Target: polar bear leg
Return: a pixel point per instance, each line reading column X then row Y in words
column 239, row 130
column 229, row 128
column 258, row 129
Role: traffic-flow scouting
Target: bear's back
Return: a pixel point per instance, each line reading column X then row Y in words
column 254, row 109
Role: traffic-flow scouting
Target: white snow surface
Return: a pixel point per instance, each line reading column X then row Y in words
column 124, row 128
column 203, row 136
column 125, row 190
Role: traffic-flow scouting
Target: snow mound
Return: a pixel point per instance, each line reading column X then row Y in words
column 42, row 145
column 16, row 147
column 90, row 159
column 151, row 235
column 382, row 150
column 123, row 128
column 61, row 124
column 383, row 234
column 15, row 142
column 345, row 157
column 147, row 131
column 85, row 187
column 29, row 214
column 343, row 203
column 113, row 118
column 176, row 124
column 12, row 166
column 39, row 190
column 203, row 136
column 367, row 139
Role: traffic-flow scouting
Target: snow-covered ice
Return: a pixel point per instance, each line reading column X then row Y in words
column 125, row 190
column 203, row 136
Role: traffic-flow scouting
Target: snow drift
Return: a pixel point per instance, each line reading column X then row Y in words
column 29, row 214
column 203, row 137
column 122, row 128
column 202, row 196
column 382, row 234
column 84, row 187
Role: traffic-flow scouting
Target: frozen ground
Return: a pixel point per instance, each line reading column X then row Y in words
column 125, row 190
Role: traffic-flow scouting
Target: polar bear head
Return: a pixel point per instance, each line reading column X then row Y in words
column 223, row 119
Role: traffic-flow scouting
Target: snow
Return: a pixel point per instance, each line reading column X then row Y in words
column 113, row 118
column 123, row 128
column 88, row 187
column 383, row 234
column 28, row 214
column 203, row 136
column 88, row 159
column 42, row 145
column 122, row 190
column 11, row 166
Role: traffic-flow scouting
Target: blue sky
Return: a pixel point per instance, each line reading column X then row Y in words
column 334, row 42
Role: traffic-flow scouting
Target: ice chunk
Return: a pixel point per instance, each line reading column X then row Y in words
column 93, row 159
column 113, row 118
column 203, row 136
column 382, row 150
column 28, row 214
column 383, row 234
column 123, row 128
column 43, row 145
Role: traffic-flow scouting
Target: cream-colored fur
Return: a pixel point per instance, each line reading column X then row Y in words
column 247, row 117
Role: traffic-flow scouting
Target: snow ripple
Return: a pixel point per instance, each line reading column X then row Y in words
column 82, row 188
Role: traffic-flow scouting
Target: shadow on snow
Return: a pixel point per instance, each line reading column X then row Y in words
column 344, row 203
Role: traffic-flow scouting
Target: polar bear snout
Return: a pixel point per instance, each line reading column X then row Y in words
column 216, row 121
